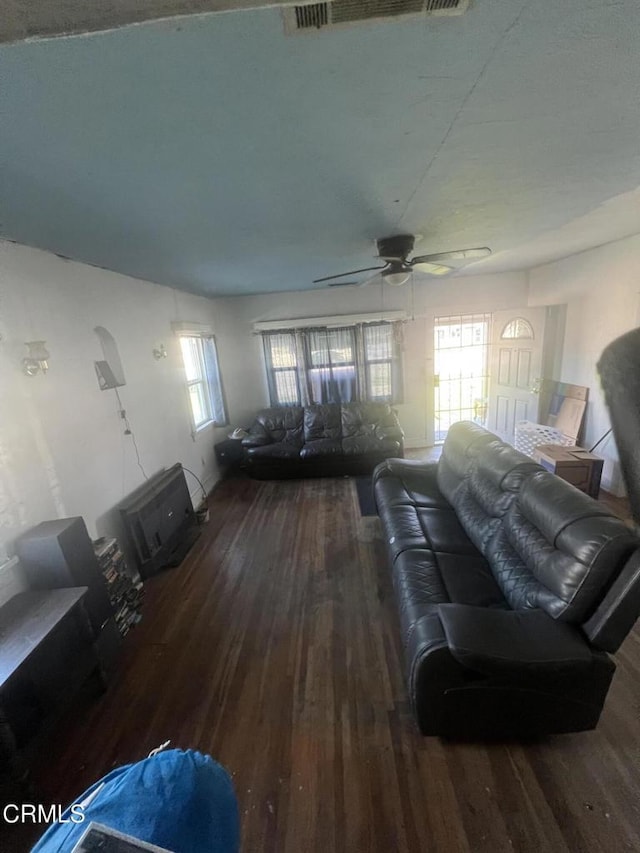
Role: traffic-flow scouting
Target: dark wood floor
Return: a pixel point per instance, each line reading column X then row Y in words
column 275, row 648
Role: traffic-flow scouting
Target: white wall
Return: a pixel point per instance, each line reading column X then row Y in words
column 601, row 288
column 62, row 447
column 424, row 302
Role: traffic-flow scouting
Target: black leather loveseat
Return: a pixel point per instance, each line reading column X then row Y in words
column 512, row 586
column 328, row 439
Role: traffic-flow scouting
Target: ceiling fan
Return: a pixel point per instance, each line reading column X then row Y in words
column 397, row 268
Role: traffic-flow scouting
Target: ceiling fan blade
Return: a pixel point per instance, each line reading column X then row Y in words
column 456, row 255
column 342, row 284
column 432, row 269
column 375, row 276
column 342, row 274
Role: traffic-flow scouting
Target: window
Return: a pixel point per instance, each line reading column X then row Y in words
column 203, row 380
column 379, row 361
column 333, row 365
column 282, row 368
column 519, row 328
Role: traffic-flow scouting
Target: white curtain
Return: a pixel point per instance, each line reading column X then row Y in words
column 214, row 382
column 281, row 357
column 331, row 365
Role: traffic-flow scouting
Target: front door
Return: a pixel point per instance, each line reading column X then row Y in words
column 515, row 369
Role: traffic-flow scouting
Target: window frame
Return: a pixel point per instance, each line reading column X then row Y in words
column 360, row 364
column 321, row 369
column 387, row 398
column 206, row 380
column 273, row 371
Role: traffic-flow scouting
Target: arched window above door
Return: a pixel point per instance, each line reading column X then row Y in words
column 518, row 328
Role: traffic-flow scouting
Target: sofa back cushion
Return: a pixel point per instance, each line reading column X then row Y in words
column 558, row 549
column 283, row 424
column 463, row 439
column 494, row 477
column 369, row 428
column 322, row 421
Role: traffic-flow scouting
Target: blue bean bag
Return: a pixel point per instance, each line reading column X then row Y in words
column 181, row 800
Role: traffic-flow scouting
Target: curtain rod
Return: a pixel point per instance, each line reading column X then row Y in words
column 327, row 322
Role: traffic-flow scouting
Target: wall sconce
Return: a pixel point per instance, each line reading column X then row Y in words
column 36, row 359
column 160, row 352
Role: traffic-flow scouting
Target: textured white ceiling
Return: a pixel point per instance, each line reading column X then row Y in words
column 24, row 19
column 217, row 154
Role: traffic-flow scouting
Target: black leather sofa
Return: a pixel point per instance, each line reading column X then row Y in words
column 329, row 439
column 512, row 587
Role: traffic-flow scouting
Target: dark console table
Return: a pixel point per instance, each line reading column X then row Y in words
column 46, row 652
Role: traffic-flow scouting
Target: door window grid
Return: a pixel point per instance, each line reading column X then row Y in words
column 461, row 345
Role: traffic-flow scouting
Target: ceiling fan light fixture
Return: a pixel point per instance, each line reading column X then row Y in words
column 396, row 279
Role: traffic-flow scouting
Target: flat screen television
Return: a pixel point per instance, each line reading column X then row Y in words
column 160, row 521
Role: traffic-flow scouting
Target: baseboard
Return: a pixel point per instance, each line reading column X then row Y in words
column 209, row 483
column 416, row 443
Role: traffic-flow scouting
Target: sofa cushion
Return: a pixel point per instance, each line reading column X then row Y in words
column 369, row 444
column 281, row 424
column 558, row 549
column 408, row 481
column 276, row 450
column 464, row 441
column 419, row 527
column 489, row 488
column 369, row 428
column 418, row 587
column 322, row 422
column 424, row 578
column 321, row 447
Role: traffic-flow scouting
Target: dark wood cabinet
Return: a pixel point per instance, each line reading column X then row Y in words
column 47, row 652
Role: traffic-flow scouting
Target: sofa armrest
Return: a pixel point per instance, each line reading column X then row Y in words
column 396, row 467
column 256, row 441
column 618, row 611
column 512, row 641
column 258, row 436
column 395, row 433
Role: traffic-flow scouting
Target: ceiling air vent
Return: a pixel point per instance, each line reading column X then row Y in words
column 316, row 16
